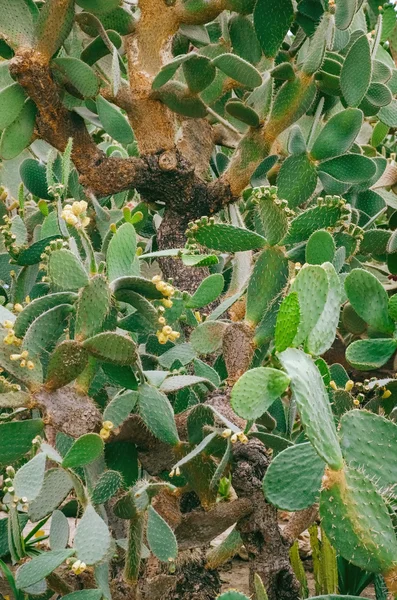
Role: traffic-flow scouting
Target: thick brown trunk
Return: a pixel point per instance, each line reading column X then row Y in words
column 267, row 551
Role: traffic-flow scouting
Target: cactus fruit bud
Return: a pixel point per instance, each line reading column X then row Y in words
column 349, row 385
column 333, row 385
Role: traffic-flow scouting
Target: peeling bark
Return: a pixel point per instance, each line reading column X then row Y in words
column 268, row 552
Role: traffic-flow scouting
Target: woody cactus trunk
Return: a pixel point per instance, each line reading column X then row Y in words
column 197, row 277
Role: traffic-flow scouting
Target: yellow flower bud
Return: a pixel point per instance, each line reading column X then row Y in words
column 8, row 324
column 25, row 354
column 333, row 385
column 356, row 402
column 162, row 338
column 198, row 316
column 85, row 222
column 30, row 365
column 167, row 303
column 386, row 394
column 234, row 438
column 167, row 330
column 104, row 433
column 226, row 433
column 162, row 321
column 18, row 307
column 349, row 385
column 15, row 357
column 156, row 279
column 108, row 425
column 77, row 209
column 22, row 363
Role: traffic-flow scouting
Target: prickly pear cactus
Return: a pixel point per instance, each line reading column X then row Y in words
column 198, row 263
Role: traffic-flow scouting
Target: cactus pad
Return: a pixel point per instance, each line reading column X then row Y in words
column 293, row 479
column 357, row 521
column 313, row 404
column 256, row 391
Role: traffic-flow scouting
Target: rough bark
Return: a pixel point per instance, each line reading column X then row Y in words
column 267, row 550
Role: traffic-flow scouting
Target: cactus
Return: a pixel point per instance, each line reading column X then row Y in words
column 142, row 377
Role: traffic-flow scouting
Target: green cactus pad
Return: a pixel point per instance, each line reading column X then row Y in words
column 364, row 437
column 226, row 238
column 65, row 271
column 287, row 323
column 238, row 69
column 273, row 214
column 160, row 537
column 32, row 254
column 320, row 248
column 29, row 478
column 268, row 279
column 79, row 74
column 271, row 32
column 66, row 363
column 17, row 24
column 243, row 39
column 322, row 336
column 256, row 391
column 137, row 284
column 349, row 168
column 56, row 486
column 199, row 72
column 92, row 308
column 120, row 407
column 275, row 442
column 356, row 520
column 208, row 336
column 121, row 253
column 351, row 320
column 375, row 241
column 178, row 98
column 297, row 179
column 370, row 354
column 312, row 287
column 16, row 439
column 17, row 136
column 37, row 307
column 157, row 414
column 242, row 112
column 39, row 567
column 59, row 531
column 44, row 332
column 338, row 134
column 208, row 291
column 97, row 49
column 122, row 457
column 145, row 317
column 227, row 549
column 356, row 72
column 116, row 125
column 393, row 307
column 12, row 99
column 369, row 299
column 84, row 451
column 313, row 404
column 111, row 347
column 107, row 486
column 53, row 26
column 30, row 377
column 92, row 540
column 327, row 213
column 293, row 479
